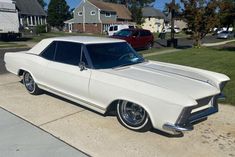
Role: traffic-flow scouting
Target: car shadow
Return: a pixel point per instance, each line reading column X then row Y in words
column 110, row 114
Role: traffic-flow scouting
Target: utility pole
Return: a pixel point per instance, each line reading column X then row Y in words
column 172, row 20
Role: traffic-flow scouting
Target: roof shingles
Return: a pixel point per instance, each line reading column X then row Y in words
column 121, row 10
column 30, row 7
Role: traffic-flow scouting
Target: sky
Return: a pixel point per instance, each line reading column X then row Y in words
column 159, row 4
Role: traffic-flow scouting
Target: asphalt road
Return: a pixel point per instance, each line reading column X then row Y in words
column 21, row 139
column 187, row 43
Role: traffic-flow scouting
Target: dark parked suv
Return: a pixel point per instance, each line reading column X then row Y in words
column 138, row 38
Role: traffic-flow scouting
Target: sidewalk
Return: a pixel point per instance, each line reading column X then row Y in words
column 217, row 43
column 21, row 139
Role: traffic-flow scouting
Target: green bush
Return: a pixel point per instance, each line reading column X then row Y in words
column 41, row 29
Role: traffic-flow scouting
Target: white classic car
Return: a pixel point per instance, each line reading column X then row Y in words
column 108, row 76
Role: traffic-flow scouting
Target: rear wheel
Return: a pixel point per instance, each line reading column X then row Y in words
column 30, row 84
column 133, row 116
column 149, row 46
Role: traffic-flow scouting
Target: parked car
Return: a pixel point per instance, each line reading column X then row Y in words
column 168, row 29
column 137, row 38
column 117, row 27
column 222, row 29
column 225, row 35
column 107, row 75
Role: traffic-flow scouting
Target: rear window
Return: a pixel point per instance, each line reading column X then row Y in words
column 49, row 52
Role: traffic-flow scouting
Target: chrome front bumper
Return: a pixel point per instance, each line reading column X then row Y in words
column 186, row 119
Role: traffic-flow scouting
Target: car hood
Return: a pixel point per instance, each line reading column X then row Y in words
column 162, row 77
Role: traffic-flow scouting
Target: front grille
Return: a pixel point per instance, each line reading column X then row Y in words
column 205, row 107
column 203, row 104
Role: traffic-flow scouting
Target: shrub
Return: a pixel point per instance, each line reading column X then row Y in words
column 41, row 29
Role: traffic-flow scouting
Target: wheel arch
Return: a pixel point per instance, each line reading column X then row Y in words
column 112, row 107
column 22, row 70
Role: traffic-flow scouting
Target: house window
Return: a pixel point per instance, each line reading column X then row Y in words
column 80, row 13
column 107, row 14
column 92, row 12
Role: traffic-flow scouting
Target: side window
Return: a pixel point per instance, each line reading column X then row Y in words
column 135, row 34
column 111, row 28
column 142, row 33
column 147, row 33
column 68, row 53
column 49, row 52
column 115, row 28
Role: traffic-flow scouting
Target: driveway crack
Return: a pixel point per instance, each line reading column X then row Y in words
column 60, row 118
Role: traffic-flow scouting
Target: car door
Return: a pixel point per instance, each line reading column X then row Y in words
column 64, row 75
column 135, row 39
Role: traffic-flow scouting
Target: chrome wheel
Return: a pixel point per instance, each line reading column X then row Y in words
column 29, row 82
column 133, row 116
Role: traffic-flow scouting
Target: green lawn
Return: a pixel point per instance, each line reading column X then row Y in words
column 219, row 59
column 10, row 44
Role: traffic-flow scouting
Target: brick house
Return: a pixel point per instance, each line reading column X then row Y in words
column 94, row 16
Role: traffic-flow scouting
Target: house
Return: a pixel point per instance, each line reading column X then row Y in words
column 179, row 23
column 31, row 13
column 94, row 16
column 153, row 19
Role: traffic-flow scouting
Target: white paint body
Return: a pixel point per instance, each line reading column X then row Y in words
column 162, row 89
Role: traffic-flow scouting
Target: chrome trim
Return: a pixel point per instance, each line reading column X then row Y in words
column 186, row 119
column 176, row 129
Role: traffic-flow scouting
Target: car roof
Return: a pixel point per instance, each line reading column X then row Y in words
column 37, row 49
column 86, row 39
column 135, row 29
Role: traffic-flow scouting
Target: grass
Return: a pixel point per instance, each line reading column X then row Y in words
column 153, row 50
column 219, row 59
column 10, row 44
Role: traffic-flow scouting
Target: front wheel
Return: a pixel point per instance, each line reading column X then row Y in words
column 133, row 116
column 30, row 84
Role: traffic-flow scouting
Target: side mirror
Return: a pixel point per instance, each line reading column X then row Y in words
column 82, row 66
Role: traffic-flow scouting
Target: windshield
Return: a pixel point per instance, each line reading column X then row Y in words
column 123, row 33
column 112, row 55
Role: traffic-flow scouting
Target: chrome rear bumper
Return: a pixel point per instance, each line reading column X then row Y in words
column 186, row 119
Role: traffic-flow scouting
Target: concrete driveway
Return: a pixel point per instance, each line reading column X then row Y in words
column 21, row 139
column 102, row 136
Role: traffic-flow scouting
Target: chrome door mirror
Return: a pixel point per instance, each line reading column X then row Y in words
column 82, row 66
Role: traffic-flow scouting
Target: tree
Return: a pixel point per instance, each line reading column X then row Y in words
column 201, row 17
column 42, row 3
column 58, row 12
column 136, row 13
column 227, row 13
